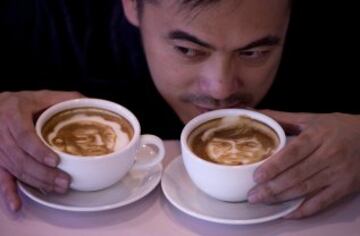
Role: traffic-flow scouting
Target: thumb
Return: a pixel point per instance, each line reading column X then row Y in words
column 293, row 123
column 47, row 98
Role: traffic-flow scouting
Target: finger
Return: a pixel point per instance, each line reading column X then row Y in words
column 22, row 130
column 8, row 190
column 46, row 98
column 30, row 171
column 314, row 183
column 292, row 123
column 317, row 203
column 295, row 175
column 41, row 177
column 298, row 149
column 45, row 178
column 288, row 117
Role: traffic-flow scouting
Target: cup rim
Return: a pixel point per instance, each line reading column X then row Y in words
column 89, row 102
column 204, row 117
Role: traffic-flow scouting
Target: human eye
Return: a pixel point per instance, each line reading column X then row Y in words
column 254, row 55
column 189, row 53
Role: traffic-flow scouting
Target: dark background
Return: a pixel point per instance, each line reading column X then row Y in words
column 319, row 71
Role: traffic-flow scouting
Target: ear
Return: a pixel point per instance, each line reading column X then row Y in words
column 131, row 11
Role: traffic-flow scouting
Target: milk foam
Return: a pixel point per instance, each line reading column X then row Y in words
column 225, row 123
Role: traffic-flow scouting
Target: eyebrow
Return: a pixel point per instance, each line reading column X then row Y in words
column 269, row 40
column 181, row 35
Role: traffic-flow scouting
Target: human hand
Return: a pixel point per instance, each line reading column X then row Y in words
column 322, row 163
column 22, row 154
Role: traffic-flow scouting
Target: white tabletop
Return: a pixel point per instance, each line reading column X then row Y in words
column 154, row 215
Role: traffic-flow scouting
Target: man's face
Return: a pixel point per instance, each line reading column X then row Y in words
column 220, row 55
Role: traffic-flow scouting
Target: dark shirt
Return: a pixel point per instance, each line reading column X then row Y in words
column 88, row 46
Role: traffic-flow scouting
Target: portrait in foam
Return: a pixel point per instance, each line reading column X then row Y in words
column 87, row 132
column 233, row 140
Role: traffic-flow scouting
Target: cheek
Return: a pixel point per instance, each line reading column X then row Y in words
column 258, row 80
column 169, row 74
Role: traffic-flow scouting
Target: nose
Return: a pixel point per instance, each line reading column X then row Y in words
column 219, row 78
column 98, row 140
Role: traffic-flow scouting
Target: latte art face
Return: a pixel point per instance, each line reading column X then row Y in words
column 231, row 152
column 87, row 132
column 233, row 141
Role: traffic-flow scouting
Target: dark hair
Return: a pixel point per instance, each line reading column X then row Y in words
column 190, row 3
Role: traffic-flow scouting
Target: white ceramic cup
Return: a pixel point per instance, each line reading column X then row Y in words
column 99, row 172
column 224, row 182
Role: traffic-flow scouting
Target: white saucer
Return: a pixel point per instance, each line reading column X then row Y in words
column 134, row 186
column 184, row 195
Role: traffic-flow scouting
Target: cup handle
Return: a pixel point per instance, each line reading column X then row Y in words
column 147, row 157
